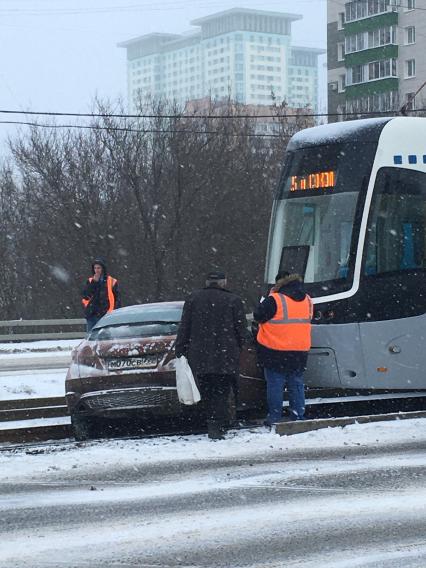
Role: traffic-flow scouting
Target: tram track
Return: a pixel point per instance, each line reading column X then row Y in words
column 323, row 412
column 316, row 401
column 283, row 429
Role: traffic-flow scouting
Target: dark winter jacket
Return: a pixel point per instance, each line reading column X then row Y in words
column 282, row 361
column 212, row 331
column 97, row 294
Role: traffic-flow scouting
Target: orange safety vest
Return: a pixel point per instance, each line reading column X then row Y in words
column 290, row 328
column 111, row 299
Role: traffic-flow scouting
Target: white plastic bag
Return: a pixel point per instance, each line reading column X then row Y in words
column 187, row 390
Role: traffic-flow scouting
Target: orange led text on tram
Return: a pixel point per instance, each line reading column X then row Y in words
column 319, row 180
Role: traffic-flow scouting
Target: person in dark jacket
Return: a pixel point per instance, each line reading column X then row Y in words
column 283, row 342
column 100, row 294
column 211, row 335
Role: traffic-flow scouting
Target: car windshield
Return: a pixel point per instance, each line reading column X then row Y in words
column 134, row 330
column 149, row 320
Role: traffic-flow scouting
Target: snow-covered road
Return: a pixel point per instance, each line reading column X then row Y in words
column 341, row 498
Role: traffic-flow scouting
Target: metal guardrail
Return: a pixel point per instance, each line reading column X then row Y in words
column 11, row 325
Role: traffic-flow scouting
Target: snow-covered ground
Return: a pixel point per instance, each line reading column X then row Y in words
column 339, row 498
column 244, row 444
column 33, row 382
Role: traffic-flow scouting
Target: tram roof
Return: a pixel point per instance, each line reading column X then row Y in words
column 365, row 130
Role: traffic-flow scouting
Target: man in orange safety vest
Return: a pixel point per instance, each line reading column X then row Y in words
column 100, row 294
column 283, row 342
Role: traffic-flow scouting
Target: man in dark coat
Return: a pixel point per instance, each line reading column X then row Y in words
column 211, row 335
column 100, row 294
column 284, row 366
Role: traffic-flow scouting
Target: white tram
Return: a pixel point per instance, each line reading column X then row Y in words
column 350, row 216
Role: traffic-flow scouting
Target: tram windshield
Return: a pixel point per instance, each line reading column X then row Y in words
column 314, row 223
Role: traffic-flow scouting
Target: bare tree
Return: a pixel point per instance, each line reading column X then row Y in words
column 163, row 197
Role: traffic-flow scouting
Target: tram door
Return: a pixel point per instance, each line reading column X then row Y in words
column 393, row 329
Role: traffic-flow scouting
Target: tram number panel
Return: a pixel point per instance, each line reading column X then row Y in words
column 313, row 181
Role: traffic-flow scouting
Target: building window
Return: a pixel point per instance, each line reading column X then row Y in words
column 411, row 5
column 358, row 9
column 371, row 71
column 410, row 68
column 355, row 75
column 342, row 83
column 380, row 69
column 341, row 21
column 371, row 39
column 340, row 51
column 382, row 36
column 355, row 43
column 410, row 101
column 378, row 102
column 410, row 35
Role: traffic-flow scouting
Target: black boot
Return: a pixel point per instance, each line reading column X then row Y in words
column 215, row 430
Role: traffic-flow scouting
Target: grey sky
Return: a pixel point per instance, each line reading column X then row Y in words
column 56, row 55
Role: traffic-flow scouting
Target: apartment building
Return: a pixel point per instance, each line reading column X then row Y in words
column 239, row 53
column 376, row 56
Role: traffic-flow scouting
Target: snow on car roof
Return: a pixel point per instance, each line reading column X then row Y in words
column 160, row 311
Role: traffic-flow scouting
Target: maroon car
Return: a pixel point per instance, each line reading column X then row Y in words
column 126, row 368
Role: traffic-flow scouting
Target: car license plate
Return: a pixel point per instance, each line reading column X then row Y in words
column 143, row 362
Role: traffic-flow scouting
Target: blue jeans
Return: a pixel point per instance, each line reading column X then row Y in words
column 275, row 383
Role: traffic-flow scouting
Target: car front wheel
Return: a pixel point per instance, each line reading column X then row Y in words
column 83, row 427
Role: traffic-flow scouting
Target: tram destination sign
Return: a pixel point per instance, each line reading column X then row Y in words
column 317, row 180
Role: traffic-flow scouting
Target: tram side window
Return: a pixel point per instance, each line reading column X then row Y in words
column 396, row 232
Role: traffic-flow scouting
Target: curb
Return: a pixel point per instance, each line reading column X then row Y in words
column 290, row 428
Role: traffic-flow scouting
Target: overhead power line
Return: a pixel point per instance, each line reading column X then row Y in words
column 403, row 111
column 204, row 116
column 142, row 130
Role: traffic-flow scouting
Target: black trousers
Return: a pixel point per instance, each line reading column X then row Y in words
column 214, row 391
